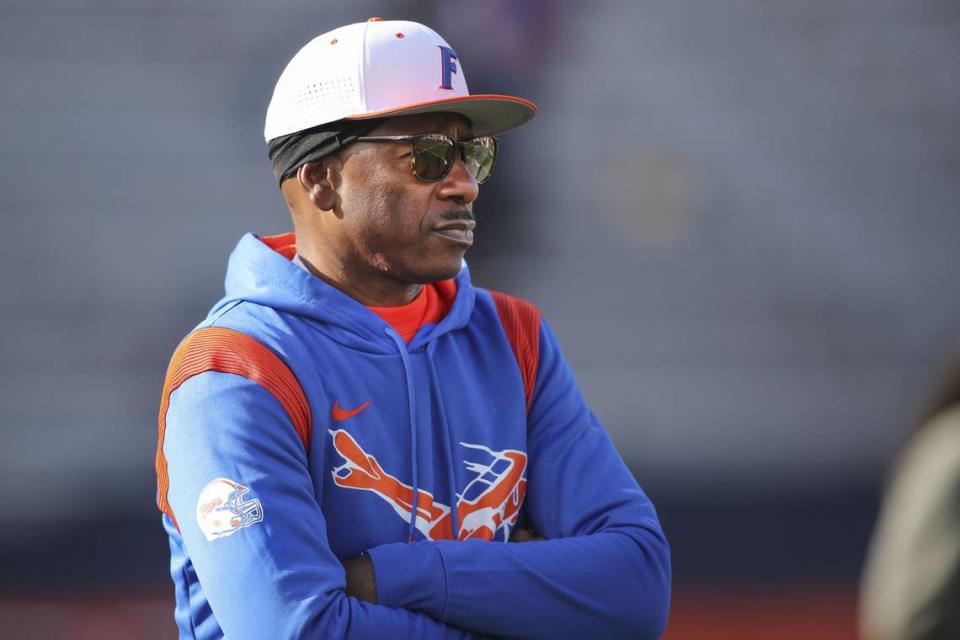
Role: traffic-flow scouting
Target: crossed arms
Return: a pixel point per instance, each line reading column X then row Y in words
column 602, row 571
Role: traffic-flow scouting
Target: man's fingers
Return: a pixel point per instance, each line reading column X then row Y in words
column 361, row 582
column 523, row 535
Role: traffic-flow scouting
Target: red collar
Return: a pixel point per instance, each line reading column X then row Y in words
column 429, row 307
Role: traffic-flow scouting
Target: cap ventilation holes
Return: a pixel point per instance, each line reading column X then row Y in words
column 330, row 93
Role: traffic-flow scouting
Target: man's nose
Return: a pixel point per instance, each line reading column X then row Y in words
column 459, row 185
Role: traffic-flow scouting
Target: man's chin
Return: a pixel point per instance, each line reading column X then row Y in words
column 439, row 273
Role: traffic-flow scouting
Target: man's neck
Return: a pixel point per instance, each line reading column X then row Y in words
column 380, row 292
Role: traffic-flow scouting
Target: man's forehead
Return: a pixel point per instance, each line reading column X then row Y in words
column 452, row 124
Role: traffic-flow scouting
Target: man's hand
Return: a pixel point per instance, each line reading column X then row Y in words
column 523, row 535
column 361, row 581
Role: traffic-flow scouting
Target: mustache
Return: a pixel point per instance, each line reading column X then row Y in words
column 458, row 214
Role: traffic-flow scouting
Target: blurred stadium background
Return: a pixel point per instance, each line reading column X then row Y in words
column 741, row 218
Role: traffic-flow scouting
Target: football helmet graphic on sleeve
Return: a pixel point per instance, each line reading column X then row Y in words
column 222, row 509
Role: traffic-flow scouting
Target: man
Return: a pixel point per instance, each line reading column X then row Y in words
column 354, row 434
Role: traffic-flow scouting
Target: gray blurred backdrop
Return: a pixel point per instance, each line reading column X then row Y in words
column 740, row 217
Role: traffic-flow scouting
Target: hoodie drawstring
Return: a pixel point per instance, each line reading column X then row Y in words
column 445, row 429
column 411, row 400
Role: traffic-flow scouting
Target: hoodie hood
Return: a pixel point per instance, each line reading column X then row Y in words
column 260, row 271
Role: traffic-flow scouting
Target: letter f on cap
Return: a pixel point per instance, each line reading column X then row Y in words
column 448, row 66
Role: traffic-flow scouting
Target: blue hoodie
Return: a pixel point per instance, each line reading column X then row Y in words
column 298, row 429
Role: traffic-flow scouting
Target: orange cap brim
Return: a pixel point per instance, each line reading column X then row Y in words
column 489, row 113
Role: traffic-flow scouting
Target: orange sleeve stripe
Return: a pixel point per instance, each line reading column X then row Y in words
column 521, row 322
column 228, row 351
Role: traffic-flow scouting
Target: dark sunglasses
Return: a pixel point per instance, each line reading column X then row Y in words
column 433, row 154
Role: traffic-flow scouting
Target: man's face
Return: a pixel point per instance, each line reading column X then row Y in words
column 395, row 225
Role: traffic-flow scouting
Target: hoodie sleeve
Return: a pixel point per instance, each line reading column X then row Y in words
column 244, row 501
column 604, row 570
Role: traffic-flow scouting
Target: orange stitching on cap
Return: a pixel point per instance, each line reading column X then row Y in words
column 521, row 322
column 228, row 351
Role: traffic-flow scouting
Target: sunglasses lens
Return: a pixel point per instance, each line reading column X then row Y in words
column 479, row 155
column 432, row 155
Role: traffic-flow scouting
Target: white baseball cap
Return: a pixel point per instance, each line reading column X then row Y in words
column 381, row 68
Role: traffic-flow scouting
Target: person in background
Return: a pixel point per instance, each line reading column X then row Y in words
column 911, row 581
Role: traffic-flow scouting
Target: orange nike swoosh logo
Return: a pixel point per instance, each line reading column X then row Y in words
column 340, row 415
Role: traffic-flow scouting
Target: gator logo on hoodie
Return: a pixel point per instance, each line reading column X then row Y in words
column 490, row 501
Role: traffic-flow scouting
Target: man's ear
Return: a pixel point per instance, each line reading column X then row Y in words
column 320, row 181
